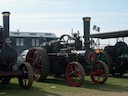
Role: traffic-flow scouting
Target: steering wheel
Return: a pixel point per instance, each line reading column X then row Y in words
column 65, row 38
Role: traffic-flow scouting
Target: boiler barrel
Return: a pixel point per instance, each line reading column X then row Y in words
column 8, row 56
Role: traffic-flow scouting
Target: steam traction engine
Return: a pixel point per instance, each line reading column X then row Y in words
column 116, row 58
column 8, row 59
column 67, row 58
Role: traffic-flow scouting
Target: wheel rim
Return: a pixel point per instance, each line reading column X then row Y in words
column 74, row 74
column 26, row 79
column 100, row 73
column 35, row 59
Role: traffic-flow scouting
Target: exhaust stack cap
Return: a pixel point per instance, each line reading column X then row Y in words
column 86, row 18
column 6, row 13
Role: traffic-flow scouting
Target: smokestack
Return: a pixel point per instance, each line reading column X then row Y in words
column 86, row 21
column 6, row 26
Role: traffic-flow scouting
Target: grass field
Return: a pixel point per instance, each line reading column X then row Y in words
column 115, row 86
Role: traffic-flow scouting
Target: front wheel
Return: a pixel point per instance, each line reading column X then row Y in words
column 74, row 74
column 26, row 79
column 100, row 73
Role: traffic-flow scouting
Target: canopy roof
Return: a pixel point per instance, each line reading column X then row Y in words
column 114, row 34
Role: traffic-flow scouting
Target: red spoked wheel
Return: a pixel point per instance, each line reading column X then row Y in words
column 39, row 60
column 100, row 73
column 74, row 74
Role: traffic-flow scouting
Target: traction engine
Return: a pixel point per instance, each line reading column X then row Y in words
column 8, row 59
column 116, row 58
column 67, row 58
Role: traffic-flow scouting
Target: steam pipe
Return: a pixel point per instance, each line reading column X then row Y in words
column 6, row 25
column 86, row 21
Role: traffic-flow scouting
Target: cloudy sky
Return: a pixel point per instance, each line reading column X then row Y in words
column 60, row 16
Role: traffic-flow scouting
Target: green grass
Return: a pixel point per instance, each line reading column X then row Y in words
column 54, row 87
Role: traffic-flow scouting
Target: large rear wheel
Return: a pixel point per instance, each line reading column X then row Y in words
column 39, row 60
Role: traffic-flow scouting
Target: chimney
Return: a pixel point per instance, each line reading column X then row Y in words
column 6, row 26
column 86, row 21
